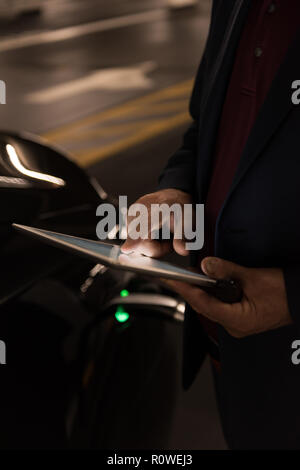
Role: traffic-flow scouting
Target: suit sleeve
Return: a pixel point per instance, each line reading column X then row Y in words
column 179, row 172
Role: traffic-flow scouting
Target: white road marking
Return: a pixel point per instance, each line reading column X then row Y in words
column 121, row 78
column 70, row 32
column 181, row 3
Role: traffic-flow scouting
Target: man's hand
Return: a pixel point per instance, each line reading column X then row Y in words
column 155, row 248
column 264, row 305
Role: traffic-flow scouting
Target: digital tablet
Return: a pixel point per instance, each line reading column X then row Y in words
column 111, row 255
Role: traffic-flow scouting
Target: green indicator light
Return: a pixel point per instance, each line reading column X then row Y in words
column 124, row 293
column 121, row 316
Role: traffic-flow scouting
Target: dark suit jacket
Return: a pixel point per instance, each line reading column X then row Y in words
column 258, row 388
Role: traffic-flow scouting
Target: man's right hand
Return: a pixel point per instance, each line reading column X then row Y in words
column 156, row 248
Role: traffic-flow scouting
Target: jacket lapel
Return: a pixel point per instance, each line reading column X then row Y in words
column 215, row 100
column 276, row 108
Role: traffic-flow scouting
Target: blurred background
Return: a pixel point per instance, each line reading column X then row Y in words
column 109, row 81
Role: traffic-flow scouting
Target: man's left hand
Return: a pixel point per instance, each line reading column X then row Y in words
column 263, row 307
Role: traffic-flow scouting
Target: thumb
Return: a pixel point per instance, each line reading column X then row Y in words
column 179, row 247
column 218, row 268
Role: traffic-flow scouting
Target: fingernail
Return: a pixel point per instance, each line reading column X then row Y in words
column 210, row 265
column 125, row 248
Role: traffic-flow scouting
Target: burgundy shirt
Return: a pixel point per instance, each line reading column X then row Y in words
column 270, row 29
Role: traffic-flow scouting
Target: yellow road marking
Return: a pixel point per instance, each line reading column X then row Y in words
column 108, row 131
column 167, row 109
column 119, row 111
column 160, row 107
column 116, row 129
column 88, row 157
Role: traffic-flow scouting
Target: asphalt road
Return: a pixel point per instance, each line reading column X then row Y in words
column 109, row 82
